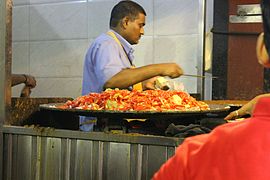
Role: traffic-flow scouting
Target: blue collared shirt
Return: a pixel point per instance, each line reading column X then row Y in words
column 104, row 59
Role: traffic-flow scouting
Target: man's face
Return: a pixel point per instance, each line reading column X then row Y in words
column 134, row 29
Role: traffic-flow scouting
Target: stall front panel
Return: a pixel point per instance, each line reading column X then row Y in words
column 46, row 153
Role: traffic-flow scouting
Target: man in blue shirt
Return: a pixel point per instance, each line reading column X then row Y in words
column 109, row 60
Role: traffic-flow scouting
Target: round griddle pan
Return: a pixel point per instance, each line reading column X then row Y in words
column 56, row 107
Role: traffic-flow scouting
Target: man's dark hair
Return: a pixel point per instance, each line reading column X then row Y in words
column 123, row 9
column 265, row 5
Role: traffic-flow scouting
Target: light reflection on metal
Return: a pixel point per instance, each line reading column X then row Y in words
column 245, row 19
column 200, row 50
column 208, row 47
column 249, row 9
column 248, row 13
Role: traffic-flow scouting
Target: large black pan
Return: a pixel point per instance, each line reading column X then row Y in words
column 214, row 108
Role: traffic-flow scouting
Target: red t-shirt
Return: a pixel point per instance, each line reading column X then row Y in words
column 234, row 151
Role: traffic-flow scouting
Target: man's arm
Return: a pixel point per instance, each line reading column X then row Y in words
column 22, row 78
column 129, row 77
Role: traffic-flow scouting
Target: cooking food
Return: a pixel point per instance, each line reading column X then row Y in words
column 149, row 100
column 162, row 83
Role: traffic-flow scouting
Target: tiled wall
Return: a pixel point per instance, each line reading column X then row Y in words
column 51, row 37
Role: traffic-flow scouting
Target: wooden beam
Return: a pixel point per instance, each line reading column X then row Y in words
column 5, row 69
column 5, row 59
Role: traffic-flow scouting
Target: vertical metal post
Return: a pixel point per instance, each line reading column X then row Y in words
column 208, row 49
column 5, row 69
column 201, row 45
column 204, row 86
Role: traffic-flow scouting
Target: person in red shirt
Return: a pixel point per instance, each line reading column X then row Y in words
column 263, row 44
column 234, row 151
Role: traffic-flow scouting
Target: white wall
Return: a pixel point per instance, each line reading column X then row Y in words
column 50, row 39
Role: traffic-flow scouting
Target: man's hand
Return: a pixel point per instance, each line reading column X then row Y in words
column 149, row 83
column 26, row 91
column 172, row 70
column 246, row 109
column 30, row 81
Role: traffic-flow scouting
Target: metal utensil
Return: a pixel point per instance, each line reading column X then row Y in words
column 198, row 76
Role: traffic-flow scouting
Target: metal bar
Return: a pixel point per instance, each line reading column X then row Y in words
column 200, row 61
column 198, row 76
column 99, row 136
column 249, row 9
column 235, row 33
column 208, row 49
column 245, row 19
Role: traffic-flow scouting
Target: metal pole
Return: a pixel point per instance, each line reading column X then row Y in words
column 208, row 49
column 200, row 60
